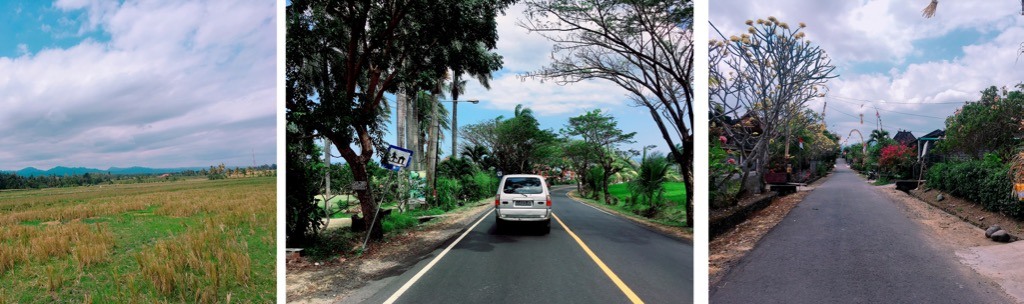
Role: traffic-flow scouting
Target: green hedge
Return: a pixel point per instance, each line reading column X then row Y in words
column 983, row 182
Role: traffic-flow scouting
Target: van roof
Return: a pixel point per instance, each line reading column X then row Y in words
column 522, row 175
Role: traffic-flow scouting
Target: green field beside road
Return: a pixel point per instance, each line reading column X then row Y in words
column 184, row 241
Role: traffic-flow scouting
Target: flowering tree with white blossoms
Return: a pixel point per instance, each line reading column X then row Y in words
column 759, row 81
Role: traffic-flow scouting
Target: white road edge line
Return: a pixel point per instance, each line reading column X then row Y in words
column 588, row 205
column 419, row 274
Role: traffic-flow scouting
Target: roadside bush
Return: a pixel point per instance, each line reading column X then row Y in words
column 447, row 193
column 485, row 185
column 474, row 184
column 721, row 171
column 985, row 182
column 647, row 187
column 897, row 161
column 398, row 221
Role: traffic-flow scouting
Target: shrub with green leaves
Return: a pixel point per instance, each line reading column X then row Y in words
column 447, row 193
column 985, row 182
column 647, row 187
column 398, row 221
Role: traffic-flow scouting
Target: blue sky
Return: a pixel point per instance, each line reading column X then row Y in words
column 552, row 104
column 137, row 83
column 914, row 71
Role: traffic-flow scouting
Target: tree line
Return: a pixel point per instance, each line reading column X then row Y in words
column 14, row 181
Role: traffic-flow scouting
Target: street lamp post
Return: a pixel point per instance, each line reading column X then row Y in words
column 455, row 124
column 432, row 153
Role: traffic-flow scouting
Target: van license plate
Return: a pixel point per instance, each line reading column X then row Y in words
column 523, row 203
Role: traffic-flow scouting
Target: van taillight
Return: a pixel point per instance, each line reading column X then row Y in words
column 497, row 201
column 549, row 200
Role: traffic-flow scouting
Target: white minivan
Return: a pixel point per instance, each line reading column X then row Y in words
column 522, row 198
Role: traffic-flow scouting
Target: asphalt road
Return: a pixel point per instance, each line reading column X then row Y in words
column 524, row 266
column 848, row 243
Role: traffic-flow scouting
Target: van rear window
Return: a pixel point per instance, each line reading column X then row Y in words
column 523, row 185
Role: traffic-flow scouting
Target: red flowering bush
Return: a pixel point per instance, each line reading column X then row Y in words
column 898, row 161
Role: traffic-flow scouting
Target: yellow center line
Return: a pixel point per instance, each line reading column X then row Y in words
column 607, row 271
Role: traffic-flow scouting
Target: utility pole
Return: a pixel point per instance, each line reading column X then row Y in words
column 455, row 123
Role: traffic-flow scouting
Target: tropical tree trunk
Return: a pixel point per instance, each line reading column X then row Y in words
column 607, row 166
column 414, row 131
column 400, row 110
column 687, row 171
column 455, row 124
column 359, row 173
column 431, row 156
column 456, row 77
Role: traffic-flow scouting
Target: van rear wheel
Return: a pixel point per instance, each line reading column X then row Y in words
column 498, row 225
column 547, row 226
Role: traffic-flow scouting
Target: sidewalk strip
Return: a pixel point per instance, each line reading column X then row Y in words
column 419, row 274
column 607, row 271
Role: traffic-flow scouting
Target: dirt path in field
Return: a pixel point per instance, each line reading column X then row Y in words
column 332, row 281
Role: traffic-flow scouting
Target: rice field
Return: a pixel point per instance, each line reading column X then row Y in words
column 194, row 240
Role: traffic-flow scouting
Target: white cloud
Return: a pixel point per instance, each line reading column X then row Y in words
column 523, row 52
column 883, row 32
column 548, row 98
column 179, row 83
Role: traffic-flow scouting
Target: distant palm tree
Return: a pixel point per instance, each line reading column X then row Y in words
column 878, row 136
column 523, row 111
column 478, row 154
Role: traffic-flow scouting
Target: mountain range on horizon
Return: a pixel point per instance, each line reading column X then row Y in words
column 62, row 171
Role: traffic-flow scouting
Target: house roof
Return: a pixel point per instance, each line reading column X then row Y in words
column 935, row 134
column 904, row 137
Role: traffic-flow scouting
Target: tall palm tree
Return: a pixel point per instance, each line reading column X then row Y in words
column 479, row 64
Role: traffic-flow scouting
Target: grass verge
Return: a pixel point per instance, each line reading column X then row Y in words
column 677, row 229
column 673, row 212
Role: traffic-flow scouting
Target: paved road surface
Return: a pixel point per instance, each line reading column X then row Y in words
column 848, row 243
column 525, row 267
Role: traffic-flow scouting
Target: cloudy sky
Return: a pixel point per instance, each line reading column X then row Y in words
column 551, row 103
column 137, row 83
column 915, row 71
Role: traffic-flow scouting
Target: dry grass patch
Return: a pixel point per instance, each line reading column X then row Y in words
column 87, row 243
column 196, row 265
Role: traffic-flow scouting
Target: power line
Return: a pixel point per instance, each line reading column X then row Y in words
column 886, row 110
column 899, row 102
column 868, row 119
